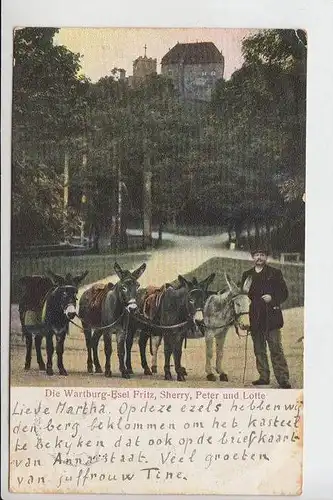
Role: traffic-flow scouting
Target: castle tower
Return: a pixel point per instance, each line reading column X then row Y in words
column 194, row 69
column 143, row 67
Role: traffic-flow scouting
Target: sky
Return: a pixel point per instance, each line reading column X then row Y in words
column 105, row 48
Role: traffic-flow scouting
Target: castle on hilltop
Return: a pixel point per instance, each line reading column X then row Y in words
column 194, row 69
column 143, row 66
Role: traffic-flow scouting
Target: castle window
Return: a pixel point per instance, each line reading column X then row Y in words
column 204, row 73
column 213, row 73
column 170, row 71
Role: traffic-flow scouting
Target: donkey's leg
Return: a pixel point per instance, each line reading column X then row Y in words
column 177, row 354
column 107, row 336
column 220, row 340
column 209, row 341
column 28, row 344
column 49, row 351
column 94, row 345
column 182, row 368
column 143, row 339
column 87, row 336
column 156, row 342
column 167, row 355
column 129, row 345
column 38, row 346
column 121, row 340
column 60, row 340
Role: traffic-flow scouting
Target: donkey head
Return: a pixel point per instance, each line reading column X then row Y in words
column 65, row 293
column 197, row 293
column 240, row 301
column 128, row 285
column 69, row 279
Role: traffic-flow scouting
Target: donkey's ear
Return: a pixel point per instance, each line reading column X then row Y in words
column 194, row 281
column 77, row 279
column 118, row 270
column 207, row 281
column 231, row 284
column 183, row 281
column 247, row 284
column 58, row 280
column 139, row 271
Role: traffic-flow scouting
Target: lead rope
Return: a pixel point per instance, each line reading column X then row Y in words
column 245, row 350
column 245, row 358
column 100, row 327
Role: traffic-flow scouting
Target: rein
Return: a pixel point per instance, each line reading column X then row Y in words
column 141, row 319
column 100, row 328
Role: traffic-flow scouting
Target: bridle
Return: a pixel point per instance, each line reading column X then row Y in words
column 235, row 320
column 192, row 301
column 61, row 289
column 126, row 307
column 72, row 287
column 241, row 313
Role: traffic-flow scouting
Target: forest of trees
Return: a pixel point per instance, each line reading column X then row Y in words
column 237, row 162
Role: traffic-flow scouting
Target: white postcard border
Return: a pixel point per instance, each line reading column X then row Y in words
column 316, row 17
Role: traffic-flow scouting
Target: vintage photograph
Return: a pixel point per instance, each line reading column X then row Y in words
column 158, row 207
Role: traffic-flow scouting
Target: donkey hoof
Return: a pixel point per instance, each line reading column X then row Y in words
column 130, row 371
column 223, row 377
column 125, row 375
column 181, row 377
column 63, row 372
column 49, row 371
column 154, row 369
column 90, row 368
column 147, row 371
column 108, row 374
column 167, row 376
column 211, row 377
column 42, row 367
column 183, row 371
column 27, row 366
column 98, row 369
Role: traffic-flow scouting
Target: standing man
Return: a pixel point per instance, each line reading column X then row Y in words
column 267, row 291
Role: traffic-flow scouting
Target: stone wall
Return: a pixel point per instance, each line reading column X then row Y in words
column 194, row 81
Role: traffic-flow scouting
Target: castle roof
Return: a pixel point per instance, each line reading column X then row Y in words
column 193, row 53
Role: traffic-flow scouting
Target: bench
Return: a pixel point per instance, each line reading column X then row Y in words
column 290, row 257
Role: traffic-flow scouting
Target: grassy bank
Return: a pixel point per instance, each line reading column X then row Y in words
column 195, row 230
column 294, row 276
column 99, row 266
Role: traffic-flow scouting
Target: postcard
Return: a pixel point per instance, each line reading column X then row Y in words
column 157, row 260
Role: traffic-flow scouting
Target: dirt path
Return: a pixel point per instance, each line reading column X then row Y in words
column 193, row 360
column 164, row 265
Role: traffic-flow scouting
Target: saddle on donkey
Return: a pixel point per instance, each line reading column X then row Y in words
column 152, row 301
column 33, row 294
column 95, row 297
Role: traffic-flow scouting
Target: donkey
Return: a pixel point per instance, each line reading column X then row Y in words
column 118, row 302
column 180, row 311
column 48, row 313
column 221, row 310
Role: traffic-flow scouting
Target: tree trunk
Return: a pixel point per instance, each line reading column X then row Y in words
column 248, row 232
column 84, row 193
column 160, row 233
column 257, row 233
column 66, row 190
column 147, row 200
column 114, row 243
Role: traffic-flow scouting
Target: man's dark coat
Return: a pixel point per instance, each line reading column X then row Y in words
column 266, row 317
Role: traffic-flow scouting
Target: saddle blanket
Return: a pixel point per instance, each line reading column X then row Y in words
column 35, row 290
column 95, row 298
column 152, row 301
